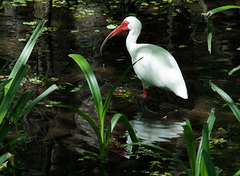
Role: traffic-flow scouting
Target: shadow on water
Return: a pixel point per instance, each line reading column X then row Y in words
column 55, row 134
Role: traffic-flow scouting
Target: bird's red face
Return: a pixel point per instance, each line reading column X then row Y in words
column 123, row 27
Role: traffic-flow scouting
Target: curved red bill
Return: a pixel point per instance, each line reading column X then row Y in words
column 120, row 28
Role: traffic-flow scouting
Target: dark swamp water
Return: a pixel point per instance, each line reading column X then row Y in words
column 55, row 134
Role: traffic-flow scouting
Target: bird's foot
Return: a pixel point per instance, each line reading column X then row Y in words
column 144, row 95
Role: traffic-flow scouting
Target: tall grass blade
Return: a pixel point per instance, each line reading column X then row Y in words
column 92, row 83
column 166, row 151
column 4, row 106
column 210, row 25
column 222, row 8
column 208, row 163
column 227, row 99
column 14, row 141
column 19, row 105
column 204, row 146
column 113, row 123
column 191, row 145
column 200, row 165
column 234, row 70
column 210, row 121
column 27, row 50
column 36, row 100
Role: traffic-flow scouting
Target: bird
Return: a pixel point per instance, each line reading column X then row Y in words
column 154, row 65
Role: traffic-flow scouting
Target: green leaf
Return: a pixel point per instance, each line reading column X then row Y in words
column 233, row 70
column 27, row 50
column 210, row 121
column 237, row 173
column 7, row 100
column 92, row 83
column 113, row 123
column 204, row 146
column 14, row 141
column 222, row 8
column 209, row 35
column 5, row 157
column 111, row 26
column 210, row 25
column 19, row 105
column 36, row 100
column 191, row 145
column 208, row 163
column 227, row 99
column 200, row 164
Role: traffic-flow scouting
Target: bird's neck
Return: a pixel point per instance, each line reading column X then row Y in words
column 131, row 40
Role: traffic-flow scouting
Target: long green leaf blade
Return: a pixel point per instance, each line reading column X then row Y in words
column 234, row 70
column 204, row 146
column 237, row 173
column 227, row 99
column 92, row 82
column 113, row 123
column 210, row 121
column 5, row 157
column 4, row 106
column 19, row 105
column 23, row 58
column 36, row 100
column 200, row 165
column 14, row 141
column 209, row 35
column 208, row 163
column 191, row 145
column 222, row 8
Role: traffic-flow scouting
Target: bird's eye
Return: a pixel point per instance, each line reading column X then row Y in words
column 125, row 23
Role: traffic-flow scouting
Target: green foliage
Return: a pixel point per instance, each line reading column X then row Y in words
column 197, row 162
column 210, row 25
column 101, row 108
column 200, row 162
column 234, row 70
column 227, row 99
column 13, row 107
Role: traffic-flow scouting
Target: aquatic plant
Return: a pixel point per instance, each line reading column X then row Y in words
column 12, row 105
column 101, row 108
column 200, row 161
column 210, row 25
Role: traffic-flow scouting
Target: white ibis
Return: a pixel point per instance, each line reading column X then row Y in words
column 157, row 66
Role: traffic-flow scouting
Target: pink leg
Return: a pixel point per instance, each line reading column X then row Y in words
column 144, row 95
column 167, row 95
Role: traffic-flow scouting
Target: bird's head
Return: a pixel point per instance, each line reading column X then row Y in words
column 128, row 24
